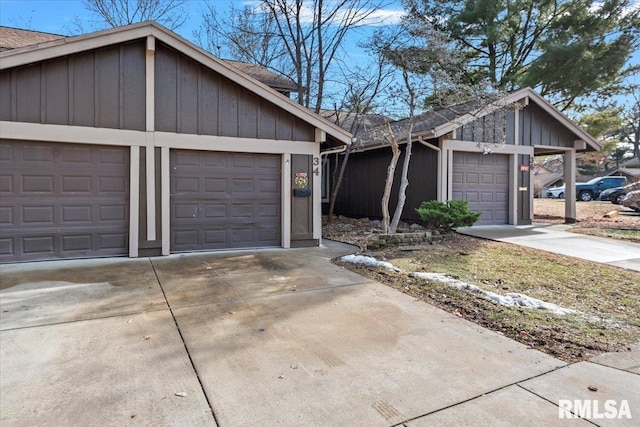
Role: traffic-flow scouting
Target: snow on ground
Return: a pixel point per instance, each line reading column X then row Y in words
column 510, row 299
column 368, row 260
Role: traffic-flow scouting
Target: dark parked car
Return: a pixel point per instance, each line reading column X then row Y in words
column 615, row 195
column 590, row 190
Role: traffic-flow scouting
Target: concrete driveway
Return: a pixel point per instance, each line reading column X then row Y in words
column 273, row 337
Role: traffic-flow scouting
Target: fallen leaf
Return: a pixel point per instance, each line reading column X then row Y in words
column 181, row 394
column 592, row 388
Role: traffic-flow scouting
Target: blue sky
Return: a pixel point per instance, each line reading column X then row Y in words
column 57, row 16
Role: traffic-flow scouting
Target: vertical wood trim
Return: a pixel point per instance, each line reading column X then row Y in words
column 134, row 194
column 121, row 88
column 70, row 67
column 150, row 76
column 516, row 127
column 165, row 199
column 150, row 162
column 317, row 187
column 96, row 90
column 178, row 78
column 449, row 174
column 570, row 186
column 43, row 93
column 286, row 200
column 14, row 95
column 513, row 189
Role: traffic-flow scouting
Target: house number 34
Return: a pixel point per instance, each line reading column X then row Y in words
column 316, row 166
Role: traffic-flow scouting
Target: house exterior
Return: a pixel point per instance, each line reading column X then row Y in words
column 453, row 158
column 135, row 142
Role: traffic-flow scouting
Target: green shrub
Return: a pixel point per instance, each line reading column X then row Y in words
column 453, row 213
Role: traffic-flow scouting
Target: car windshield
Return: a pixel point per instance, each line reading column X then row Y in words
column 594, row 180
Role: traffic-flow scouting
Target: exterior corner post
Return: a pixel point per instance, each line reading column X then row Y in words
column 570, row 187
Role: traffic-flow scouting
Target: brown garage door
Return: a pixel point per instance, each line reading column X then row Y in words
column 63, row 200
column 483, row 181
column 224, row 200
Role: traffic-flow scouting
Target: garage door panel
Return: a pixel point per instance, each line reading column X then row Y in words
column 225, row 201
column 63, row 201
column 482, row 180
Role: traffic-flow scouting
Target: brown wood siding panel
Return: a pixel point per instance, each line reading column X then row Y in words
column 28, row 100
column 361, row 192
column 267, row 120
column 56, row 99
column 208, row 103
column 192, row 99
column 166, row 111
column 83, row 88
column 188, row 75
column 248, row 114
column 133, row 86
column 510, row 128
column 224, row 200
column 62, row 200
column 228, row 109
column 5, row 95
column 541, row 129
column 108, row 87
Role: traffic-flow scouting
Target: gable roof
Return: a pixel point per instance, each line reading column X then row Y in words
column 433, row 124
column 14, row 38
column 57, row 46
column 260, row 73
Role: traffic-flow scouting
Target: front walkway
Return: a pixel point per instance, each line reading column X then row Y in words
column 557, row 239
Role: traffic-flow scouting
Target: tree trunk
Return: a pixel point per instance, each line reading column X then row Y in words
column 404, row 183
column 338, row 182
column 389, row 181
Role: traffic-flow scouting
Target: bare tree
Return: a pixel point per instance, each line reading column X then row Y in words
column 308, row 33
column 434, row 75
column 116, row 13
column 363, row 88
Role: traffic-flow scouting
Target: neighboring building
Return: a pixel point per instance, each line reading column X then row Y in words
column 452, row 160
column 629, row 169
column 133, row 141
column 545, row 178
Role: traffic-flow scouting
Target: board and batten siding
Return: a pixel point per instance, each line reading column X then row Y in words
column 363, row 183
column 192, row 99
column 539, row 128
column 102, row 88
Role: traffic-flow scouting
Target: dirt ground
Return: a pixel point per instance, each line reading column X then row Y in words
column 589, row 214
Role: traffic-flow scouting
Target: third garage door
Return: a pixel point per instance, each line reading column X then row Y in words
column 224, row 200
column 483, row 181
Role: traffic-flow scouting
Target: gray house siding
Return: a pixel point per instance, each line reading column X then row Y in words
column 195, row 100
column 363, row 184
column 541, row 129
column 101, row 88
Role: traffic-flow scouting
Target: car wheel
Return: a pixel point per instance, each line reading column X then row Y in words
column 585, row 196
column 617, row 199
column 561, row 196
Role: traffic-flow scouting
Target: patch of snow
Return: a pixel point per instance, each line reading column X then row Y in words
column 510, row 299
column 368, row 260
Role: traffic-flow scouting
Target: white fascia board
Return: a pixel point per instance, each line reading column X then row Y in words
column 72, row 134
column 67, row 46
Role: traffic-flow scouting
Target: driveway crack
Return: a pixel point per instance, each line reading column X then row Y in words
column 184, row 344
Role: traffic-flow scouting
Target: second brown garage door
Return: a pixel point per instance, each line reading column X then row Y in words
column 224, row 200
column 483, row 181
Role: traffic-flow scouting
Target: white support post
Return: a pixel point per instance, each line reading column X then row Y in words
column 150, row 163
column 513, row 189
column 316, row 173
column 286, row 200
column 570, row 186
column 165, row 201
column 134, row 200
column 150, row 128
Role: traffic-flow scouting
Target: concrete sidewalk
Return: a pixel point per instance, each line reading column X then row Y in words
column 272, row 337
column 557, row 239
